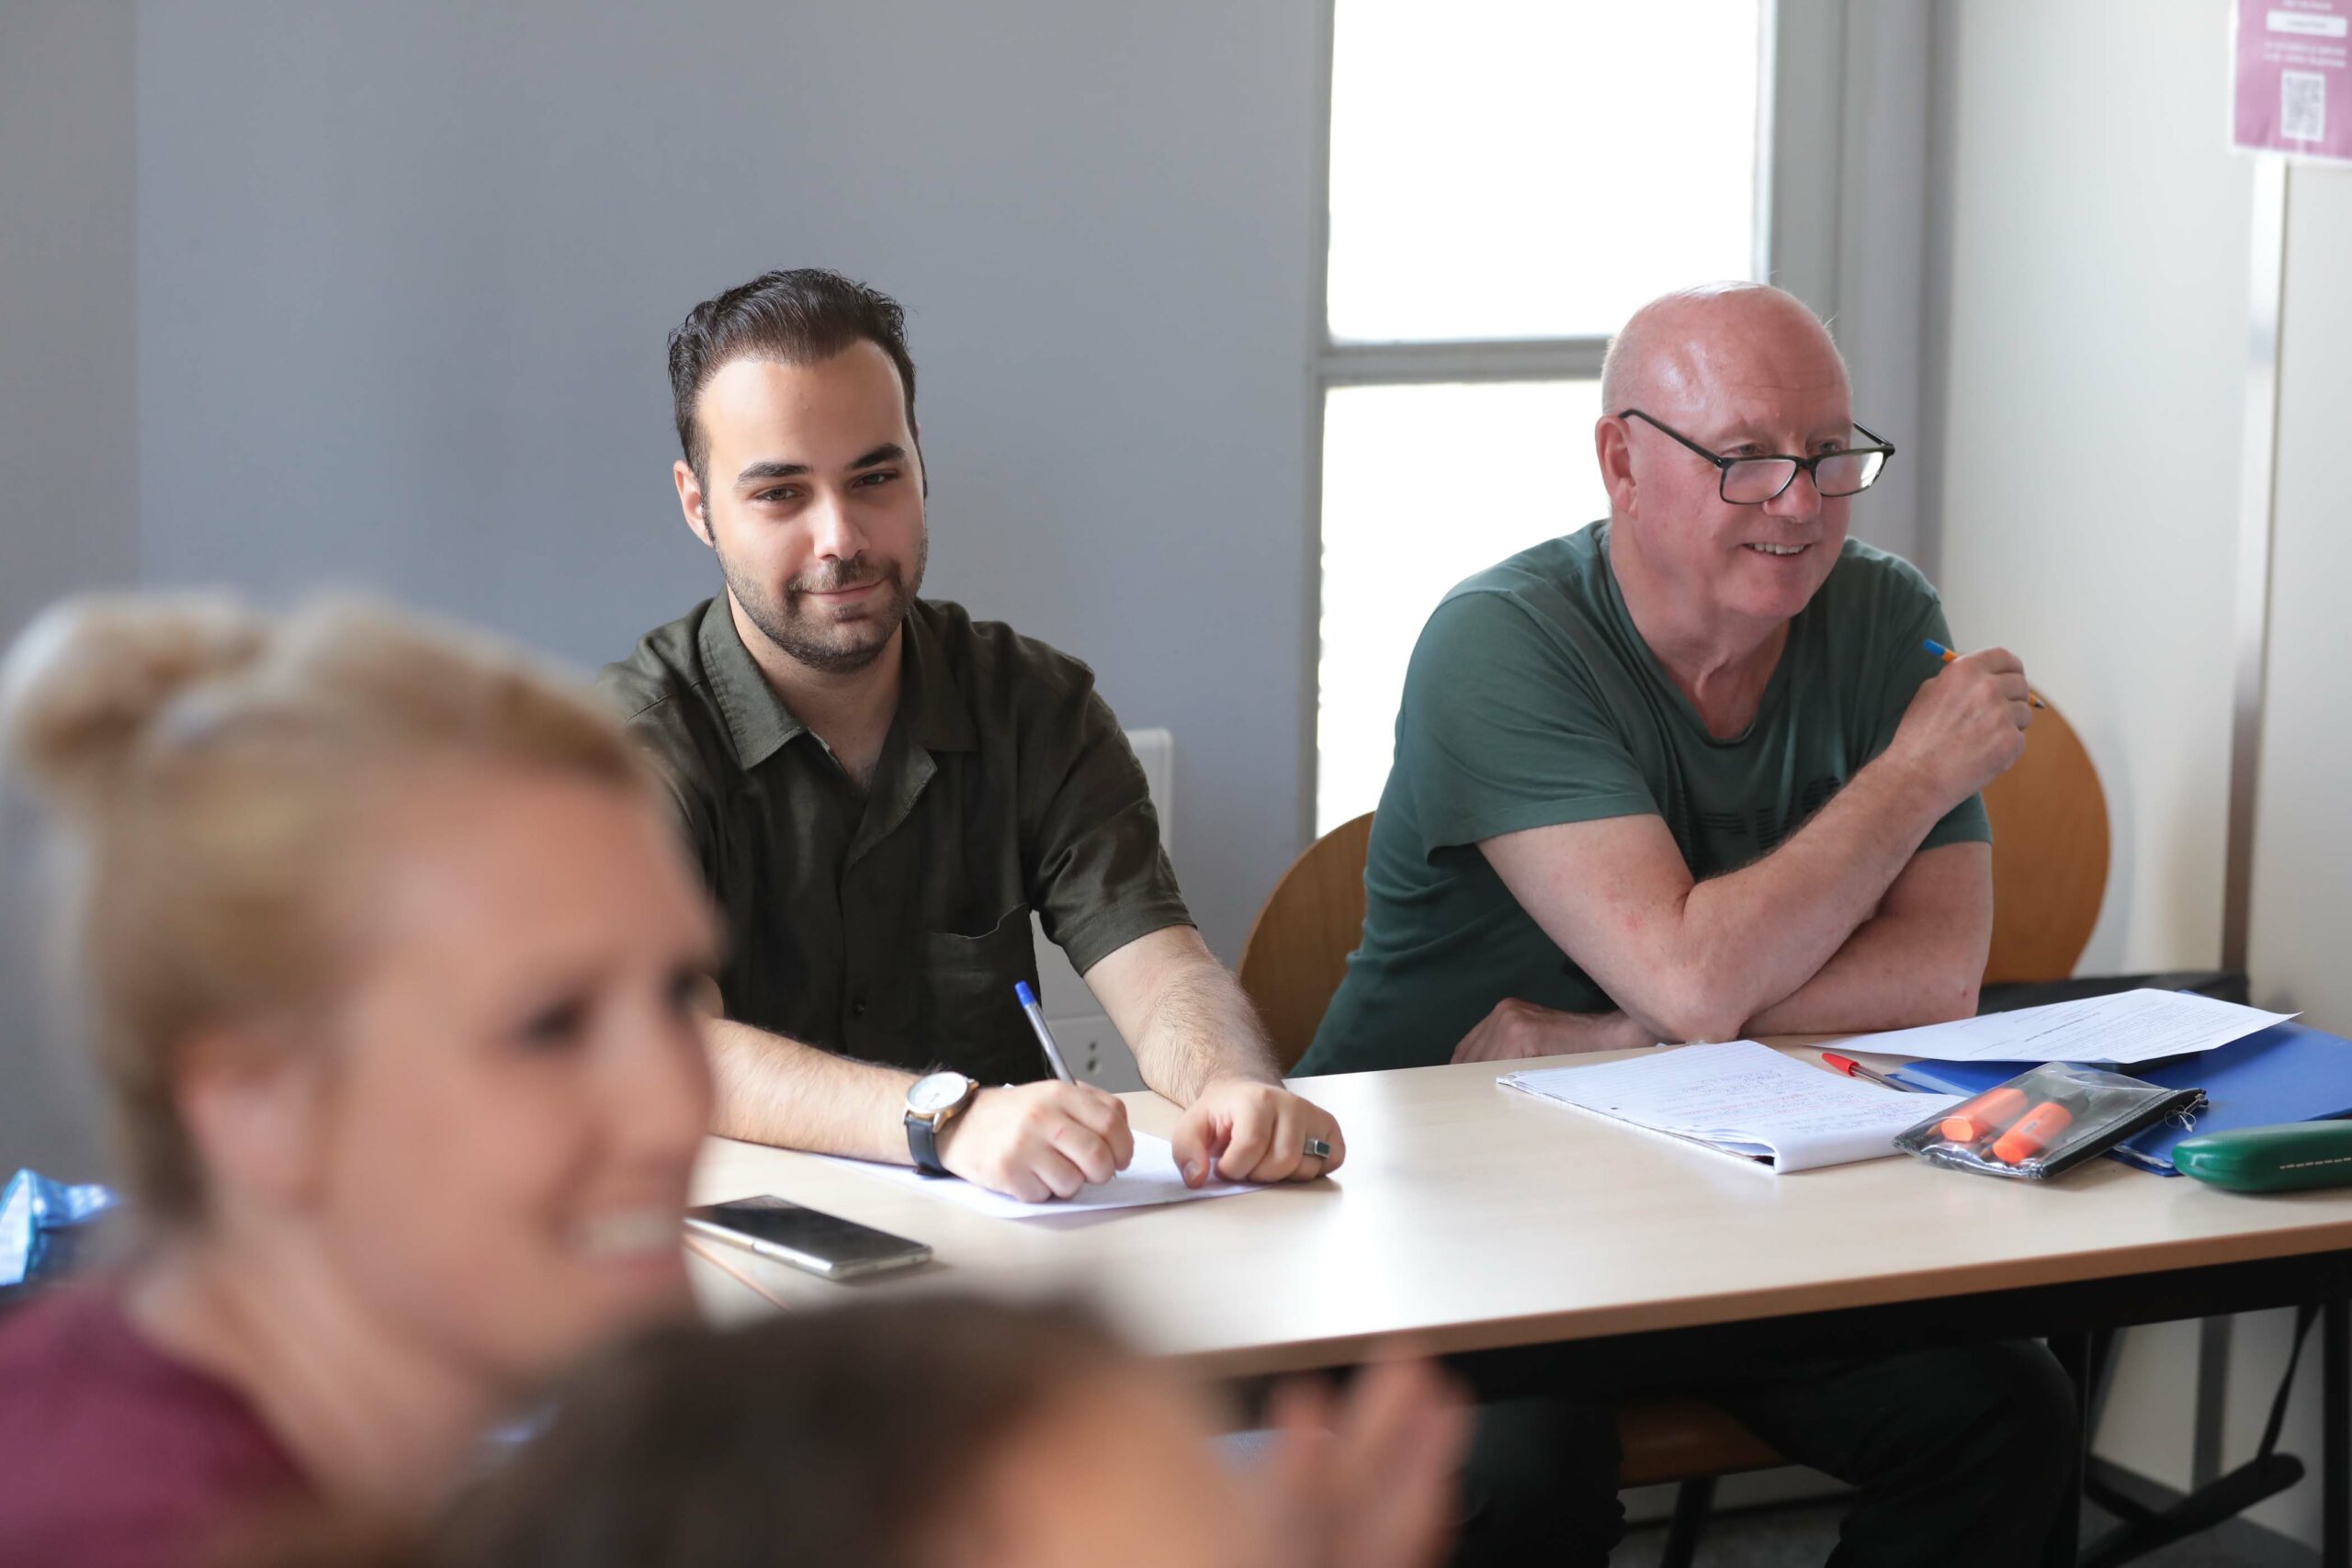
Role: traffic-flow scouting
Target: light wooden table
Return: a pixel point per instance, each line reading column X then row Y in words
column 1470, row 1217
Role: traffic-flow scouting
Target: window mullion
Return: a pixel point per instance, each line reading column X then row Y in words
column 1544, row 359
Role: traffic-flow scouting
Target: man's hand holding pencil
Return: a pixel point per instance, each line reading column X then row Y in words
column 1966, row 726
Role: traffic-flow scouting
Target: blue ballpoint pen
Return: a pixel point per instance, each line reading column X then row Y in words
column 1045, row 1030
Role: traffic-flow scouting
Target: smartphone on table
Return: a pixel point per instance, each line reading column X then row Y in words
column 822, row 1244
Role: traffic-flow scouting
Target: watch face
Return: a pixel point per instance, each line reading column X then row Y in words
column 937, row 1092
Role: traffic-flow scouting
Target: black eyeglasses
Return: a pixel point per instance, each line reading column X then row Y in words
column 1752, row 481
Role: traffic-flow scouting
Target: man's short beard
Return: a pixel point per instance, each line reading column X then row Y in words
column 784, row 625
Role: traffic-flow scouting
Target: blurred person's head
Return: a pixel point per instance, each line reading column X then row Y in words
column 944, row 1432
column 794, row 399
column 1741, row 369
column 384, row 946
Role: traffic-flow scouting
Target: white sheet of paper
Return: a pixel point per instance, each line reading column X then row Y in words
column 1743, row 1099
column 2130, row 1026
column 1150, row 1178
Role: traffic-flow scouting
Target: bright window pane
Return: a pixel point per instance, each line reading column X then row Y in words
column 1424, row 485
column 1535, row 168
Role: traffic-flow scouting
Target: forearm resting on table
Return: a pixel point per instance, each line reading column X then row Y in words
column 1186, row 1017
column 1893, row 973
column 1919, row 960
column 1617, row 896
column 779, row 1092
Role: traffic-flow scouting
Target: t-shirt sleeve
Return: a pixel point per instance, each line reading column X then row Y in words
column 1098, row 876
column 1502, row 728
column 1911, row 664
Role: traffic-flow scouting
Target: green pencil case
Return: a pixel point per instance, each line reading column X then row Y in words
column 2270, row 1159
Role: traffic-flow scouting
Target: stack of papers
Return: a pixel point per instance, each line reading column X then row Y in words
column 1150, row 1178
column 1744, row 1100
column 2130, row 1026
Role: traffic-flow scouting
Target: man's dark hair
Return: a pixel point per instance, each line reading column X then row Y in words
column 798, row 317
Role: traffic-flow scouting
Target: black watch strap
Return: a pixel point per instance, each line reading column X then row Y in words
column 922, row 1144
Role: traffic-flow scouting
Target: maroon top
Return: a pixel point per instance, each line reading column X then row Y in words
column 113, row 1455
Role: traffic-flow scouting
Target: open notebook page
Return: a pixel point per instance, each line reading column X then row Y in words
column 1741, row 1098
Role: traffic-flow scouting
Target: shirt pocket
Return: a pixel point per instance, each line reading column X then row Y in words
column 974, row 1023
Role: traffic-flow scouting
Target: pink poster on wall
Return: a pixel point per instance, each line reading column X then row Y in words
column 2294, row 78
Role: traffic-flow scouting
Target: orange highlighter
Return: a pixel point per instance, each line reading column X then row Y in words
column 1994, row 1112
column 2033, row 1133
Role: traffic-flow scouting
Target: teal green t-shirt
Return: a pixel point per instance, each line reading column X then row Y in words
column 1531, row 700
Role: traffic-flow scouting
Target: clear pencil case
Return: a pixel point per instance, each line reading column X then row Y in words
column 2044, row 1123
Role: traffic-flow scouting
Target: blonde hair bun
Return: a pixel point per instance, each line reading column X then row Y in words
column 86, row 681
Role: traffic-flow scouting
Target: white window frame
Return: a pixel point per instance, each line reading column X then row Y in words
column 1840, row 196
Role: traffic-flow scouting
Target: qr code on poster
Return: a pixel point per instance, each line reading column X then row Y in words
column 2303, row 106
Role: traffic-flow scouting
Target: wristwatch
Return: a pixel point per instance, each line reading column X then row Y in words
column 935, row 1100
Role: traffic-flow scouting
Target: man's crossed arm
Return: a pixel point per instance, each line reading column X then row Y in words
column 1846, row 926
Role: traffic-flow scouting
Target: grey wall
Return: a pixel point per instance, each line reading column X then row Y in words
column 68, row 459
column 2094, row 257
column 404, row 272
column 2302, row 860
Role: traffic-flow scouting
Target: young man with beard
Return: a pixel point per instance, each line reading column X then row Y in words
column 880, row 788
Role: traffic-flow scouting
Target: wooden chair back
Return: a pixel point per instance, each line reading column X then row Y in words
column 1297, row 950
column 2050, row 853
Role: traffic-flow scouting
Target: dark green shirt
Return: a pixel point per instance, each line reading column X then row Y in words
column 1531, row 700
column 889, row 924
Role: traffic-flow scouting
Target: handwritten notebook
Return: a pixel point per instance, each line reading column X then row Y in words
column 1743, row 1100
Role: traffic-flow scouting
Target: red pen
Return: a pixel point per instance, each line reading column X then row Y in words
column 1853, row 1069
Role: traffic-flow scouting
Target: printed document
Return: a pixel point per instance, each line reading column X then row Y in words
column 1742, row 1099
column 1150, row 1178
column 2130, row 1026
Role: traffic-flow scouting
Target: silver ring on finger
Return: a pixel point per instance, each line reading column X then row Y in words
column 1318, row 1149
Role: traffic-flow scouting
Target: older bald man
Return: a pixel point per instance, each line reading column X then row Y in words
column 1689, row 773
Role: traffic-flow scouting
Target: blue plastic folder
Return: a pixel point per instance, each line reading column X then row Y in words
column 2287, row 1073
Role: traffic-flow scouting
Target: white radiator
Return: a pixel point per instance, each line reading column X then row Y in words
column 1094, row 1049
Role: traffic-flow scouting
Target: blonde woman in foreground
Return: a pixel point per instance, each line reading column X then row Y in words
column 387, row 951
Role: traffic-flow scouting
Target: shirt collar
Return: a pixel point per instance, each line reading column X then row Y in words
column 757, row 721
column 930, row 699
